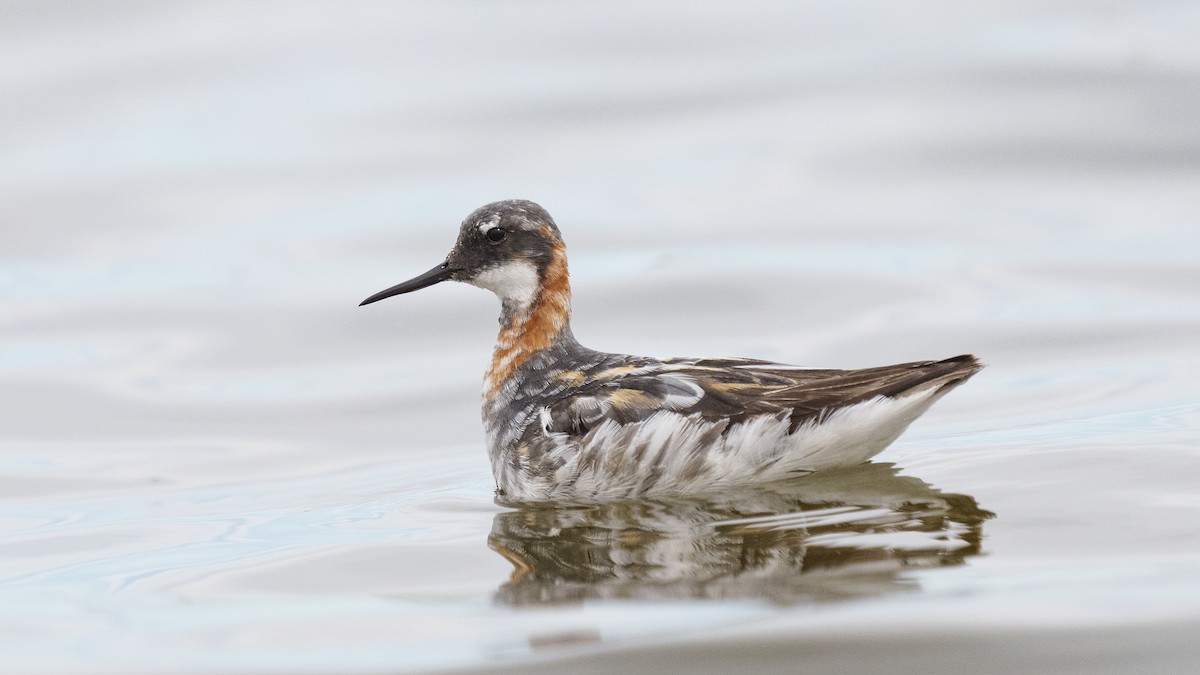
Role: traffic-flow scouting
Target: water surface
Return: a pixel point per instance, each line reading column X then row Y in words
column 211, row 459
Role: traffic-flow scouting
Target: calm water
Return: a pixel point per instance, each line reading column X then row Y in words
column 211, row 459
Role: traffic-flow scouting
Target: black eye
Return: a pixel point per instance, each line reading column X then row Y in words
column 495, row 235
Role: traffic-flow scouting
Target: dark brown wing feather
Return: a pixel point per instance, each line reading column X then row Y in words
column 736, row 389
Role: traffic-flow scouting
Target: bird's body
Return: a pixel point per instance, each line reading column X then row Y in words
column 567, row 423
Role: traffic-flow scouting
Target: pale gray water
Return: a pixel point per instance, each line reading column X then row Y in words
column 211, row 459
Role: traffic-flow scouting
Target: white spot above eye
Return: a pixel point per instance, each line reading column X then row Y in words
column 515, row 281
column 488, row 224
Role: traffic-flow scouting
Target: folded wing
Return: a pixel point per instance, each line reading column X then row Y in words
column 738, row 389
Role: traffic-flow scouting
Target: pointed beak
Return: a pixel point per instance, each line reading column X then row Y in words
column 438, row 274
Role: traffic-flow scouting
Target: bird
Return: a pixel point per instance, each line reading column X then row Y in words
column 565, row 423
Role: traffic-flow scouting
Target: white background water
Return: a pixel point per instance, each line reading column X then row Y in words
column 211, row 459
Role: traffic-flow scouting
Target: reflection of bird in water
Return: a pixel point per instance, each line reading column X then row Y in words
column 569, row 423
column 837, row 534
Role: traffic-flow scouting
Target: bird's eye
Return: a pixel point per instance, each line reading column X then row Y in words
column 495, row 235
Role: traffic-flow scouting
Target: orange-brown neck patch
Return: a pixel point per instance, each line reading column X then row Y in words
column 534, row 328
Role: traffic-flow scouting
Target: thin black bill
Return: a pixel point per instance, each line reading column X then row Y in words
column 440, row 273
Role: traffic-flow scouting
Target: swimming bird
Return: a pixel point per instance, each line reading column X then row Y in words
column 570, row 424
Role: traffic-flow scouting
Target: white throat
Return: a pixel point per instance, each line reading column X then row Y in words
column 514, row 282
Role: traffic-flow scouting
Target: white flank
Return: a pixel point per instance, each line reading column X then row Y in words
column 669, row 444
column 515, row 282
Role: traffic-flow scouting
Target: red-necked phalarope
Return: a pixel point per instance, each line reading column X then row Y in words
column 564, row 422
